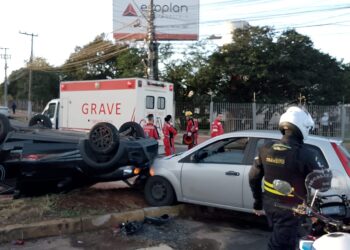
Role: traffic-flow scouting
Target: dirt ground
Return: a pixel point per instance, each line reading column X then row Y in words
column 177, row 233
column 100, row 199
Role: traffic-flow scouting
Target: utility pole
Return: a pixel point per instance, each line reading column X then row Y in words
column 5, row 56
column 30, row 75
column 152, row 64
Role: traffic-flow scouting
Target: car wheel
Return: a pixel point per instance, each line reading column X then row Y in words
column 104, row 138
column 159, row 192
column 5, row 127
column 99, row 163
column 132, row 129
column 41, row 121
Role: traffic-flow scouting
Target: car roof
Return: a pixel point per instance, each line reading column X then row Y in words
column 276, row 134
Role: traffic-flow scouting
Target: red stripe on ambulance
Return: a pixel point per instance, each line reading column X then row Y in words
column 98, row 85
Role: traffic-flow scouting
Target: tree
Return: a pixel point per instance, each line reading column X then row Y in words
column 96, row 60
column 130, row 63
column 45, row 82
column 276, row 67
column 183, row 72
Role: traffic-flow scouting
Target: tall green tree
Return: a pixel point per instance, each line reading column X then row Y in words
column 276, row 67
column 45, row 82
column 184, row 70
column 95, row 60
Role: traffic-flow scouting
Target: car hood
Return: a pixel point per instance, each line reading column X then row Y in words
column 167, row 160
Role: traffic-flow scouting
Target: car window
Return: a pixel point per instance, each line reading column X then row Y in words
column 226, row 151
column 50, row 112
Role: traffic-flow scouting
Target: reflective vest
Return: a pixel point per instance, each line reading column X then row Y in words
column 216, row 128
column 151, row 130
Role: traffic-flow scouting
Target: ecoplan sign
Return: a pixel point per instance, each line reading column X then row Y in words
column 174, row 19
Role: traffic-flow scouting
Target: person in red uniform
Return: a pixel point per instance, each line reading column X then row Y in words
column 216, row 126
column 150, row 129
column 191, row 129
column 169, row 133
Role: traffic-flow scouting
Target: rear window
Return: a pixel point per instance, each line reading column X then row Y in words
column 161, row 103
column 321, row 160
column 344, row 150
column 149, row 102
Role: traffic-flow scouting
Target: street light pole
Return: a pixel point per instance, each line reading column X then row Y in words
column 30, row 75
column 5, row 57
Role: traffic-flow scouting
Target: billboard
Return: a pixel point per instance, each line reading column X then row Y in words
column 174, row 19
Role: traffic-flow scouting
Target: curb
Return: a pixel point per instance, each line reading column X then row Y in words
column 83, row 224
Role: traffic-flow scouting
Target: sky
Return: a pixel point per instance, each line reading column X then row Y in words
column 61, row 25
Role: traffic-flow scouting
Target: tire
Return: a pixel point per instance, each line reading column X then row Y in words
column 159, row 192
column 99, row 163
column 104, row 138
column 5, row 127
column 41, row 121
column 132, row 129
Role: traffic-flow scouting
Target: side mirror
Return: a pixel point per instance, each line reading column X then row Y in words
column 282, row 186
column 200, row 155
column 320, row 180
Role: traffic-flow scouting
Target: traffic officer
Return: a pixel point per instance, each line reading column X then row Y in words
column 288, row 160
column 150, row 129
column 169, row 133
column 191, row 129
column 216, row 126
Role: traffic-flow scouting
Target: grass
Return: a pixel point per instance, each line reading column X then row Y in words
column 28, row 210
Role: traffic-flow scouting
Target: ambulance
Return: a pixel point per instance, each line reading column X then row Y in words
column 82, row 104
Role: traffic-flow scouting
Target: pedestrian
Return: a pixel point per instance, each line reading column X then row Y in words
column 324, row 122
column 169, row 133
column 216, row 126
column 14, row 106
column 150, row 129
column 288, row 160
column 191, row 129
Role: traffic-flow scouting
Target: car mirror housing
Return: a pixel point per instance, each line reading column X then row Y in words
column 200, row 155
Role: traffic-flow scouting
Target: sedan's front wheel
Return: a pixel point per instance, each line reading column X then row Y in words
column 159, row 192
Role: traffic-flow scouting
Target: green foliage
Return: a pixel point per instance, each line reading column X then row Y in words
column 45, row 82
column 277, row 68
column 96, row 60
column 130, row 63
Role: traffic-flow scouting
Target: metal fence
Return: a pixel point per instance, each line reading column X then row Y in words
column 330, row 121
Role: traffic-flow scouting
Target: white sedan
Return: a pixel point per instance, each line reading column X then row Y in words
column 5, row 111
column 215, row 172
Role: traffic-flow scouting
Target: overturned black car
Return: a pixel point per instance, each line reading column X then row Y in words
column 36, row 161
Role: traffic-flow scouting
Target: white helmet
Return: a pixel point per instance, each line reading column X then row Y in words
column 298, row 117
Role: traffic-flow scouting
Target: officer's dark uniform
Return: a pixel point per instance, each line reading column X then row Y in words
column 287, row 160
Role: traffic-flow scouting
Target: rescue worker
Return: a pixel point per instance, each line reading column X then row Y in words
column 169, row 133
column 150, row 129
column 216, row 126
column 191, row 129
column 288, row 160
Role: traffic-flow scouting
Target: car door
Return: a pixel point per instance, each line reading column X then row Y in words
column 255, row 144
column 214, row 174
